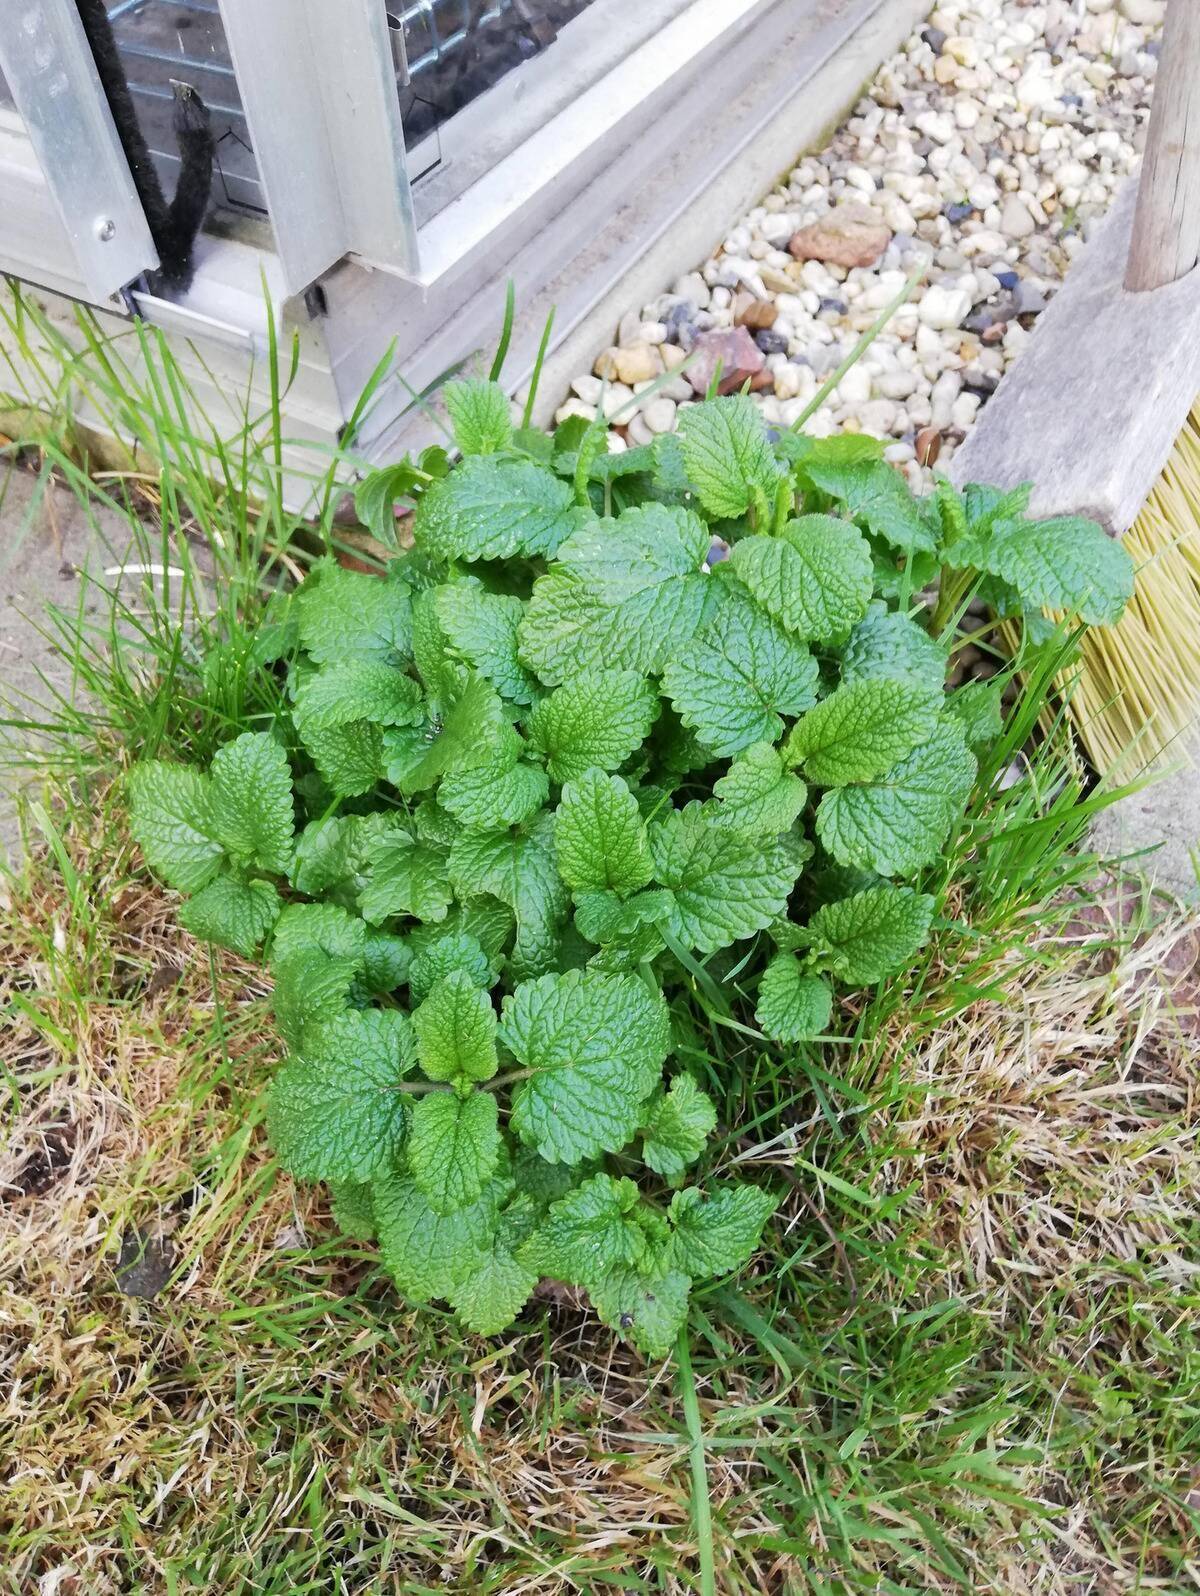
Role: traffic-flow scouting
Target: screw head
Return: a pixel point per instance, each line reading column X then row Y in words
column 106, row 229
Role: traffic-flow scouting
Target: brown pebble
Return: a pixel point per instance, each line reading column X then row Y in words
column 929, row 446
column 995, row 333
column 758, row 314
column 850, row 235
column 733, row 350
column 762, row 382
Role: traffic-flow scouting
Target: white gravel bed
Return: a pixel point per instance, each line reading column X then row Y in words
column 986, row 148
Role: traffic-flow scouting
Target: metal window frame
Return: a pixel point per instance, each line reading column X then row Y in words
column 52, row 77
column 318, row 88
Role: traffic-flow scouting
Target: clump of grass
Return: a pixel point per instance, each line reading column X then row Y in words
column 202, row 513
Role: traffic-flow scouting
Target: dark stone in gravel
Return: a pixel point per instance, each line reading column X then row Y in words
column 681, row 324
column 836, row 306
column 957, row 212
column 144, row 1264
column 1029, row 300
column 935, row 39
column 770, row 342
column 1007, row 279
column 985, row 316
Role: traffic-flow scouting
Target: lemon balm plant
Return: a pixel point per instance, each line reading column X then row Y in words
column 543, row 768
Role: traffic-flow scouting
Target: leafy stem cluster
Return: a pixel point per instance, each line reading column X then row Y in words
column 537, row 778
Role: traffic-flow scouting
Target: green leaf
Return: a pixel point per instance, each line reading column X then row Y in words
column 677, row 1127
column 727, row 456
column 519, row 869
column 627, row 593
column 489, row 923
column 453, row 952
column 491, row 509
column 969, row 520
column 479, row 415
column 346, row 615
column 815, row 578
column 793, row 1004
column 544, row 1183
column 596, row 1044
column 602, row 917
column 721, row 886
column 386, row 961
column 492, row 1294
column 435, row 664
column 353, row 1209
column 336, row 1113
column 874, row 493
column 897, row 824
column 434, row 826
column 482, row 628
column 504, row 792
column 322, row 926
column 645, row 1306
column 360, row 689
column 590, row 1231
column 1068, row 563
column 334, row 855
column 757, row 796
column 376, row 494
column 872, row 934
column 251, row 798
column 455, row 1028
column 310, row 985
column 405, row 878
column 888, row 644
column 600, row 837
column 453, row 1148
column 861, row 730
column 595, row 720
column 349, row 758
column 472, row 731
column 717, row 1233
column 430, row 1254
column 732, row 684
column 232, row 913
column 172, row 821
column 979, row 709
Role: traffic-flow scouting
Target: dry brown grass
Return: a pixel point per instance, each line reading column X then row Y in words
column 275, row 1420
column 1058, row 1149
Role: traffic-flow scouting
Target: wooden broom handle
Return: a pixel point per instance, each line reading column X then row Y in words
column 1166, row 226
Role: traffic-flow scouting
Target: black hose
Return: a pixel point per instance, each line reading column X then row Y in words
column 173, row 226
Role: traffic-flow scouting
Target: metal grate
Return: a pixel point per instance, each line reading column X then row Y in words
column 449, row 52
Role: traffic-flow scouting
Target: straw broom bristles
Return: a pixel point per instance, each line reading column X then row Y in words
column 1134, row 691
column 1138, row 690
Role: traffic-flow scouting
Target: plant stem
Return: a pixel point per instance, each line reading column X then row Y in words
column 494, row 1085
column 952, row 590
column 701, row 1506
column 508, row 1079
